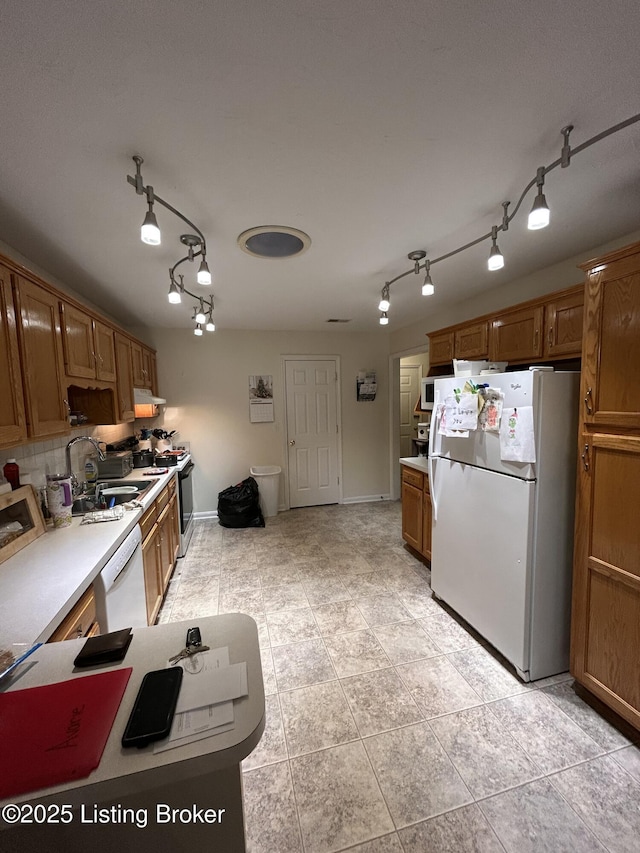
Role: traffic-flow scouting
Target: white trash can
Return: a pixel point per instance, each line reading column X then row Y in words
column 268, row 479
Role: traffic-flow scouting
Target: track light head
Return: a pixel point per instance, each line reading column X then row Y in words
column 427, row 288
column 496, row 259
column 540, row 214
column 174, row 293
column 150, row 232
column 199, row 315
column 384, row 303
column 204, row 276
column 198, row 330
column 384, row 319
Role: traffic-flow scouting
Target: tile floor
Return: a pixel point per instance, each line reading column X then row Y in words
column 389, row 726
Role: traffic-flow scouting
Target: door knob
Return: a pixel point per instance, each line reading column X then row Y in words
column 292, row 442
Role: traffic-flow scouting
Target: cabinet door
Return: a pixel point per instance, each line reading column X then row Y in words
column 148, row 367
column 13, row 422
column 426, row 522
column 441, row 348
column 166, row 547
column 563, row 321
column 105, row 352
column 42, row 360
column 77, row 339
column 605, row 638
column 152, row 573
column 412, row 520
column 124, row 378
column 611, row 355
column 138, row 365
column 517, row 335
column 472, row 341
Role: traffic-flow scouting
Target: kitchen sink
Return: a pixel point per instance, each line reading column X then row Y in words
column 89, row 502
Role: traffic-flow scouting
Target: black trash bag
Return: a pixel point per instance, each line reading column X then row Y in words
column 239, row 506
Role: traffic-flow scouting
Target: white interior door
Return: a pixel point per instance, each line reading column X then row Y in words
column 409, row 392
column 312, row 431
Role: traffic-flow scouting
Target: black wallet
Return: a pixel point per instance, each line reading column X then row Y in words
column 105, row 648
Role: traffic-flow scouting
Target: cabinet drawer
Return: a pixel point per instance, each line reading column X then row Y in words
column 79, row 621
column 413, row 478
column 162, row 500
column 148, row 520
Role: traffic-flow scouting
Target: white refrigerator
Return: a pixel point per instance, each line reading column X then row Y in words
column 503, row 530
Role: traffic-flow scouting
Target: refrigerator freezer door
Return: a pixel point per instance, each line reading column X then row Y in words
column 483, row 448
column 481, row 554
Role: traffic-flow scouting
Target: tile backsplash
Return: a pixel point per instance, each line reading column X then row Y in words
column 40, row 458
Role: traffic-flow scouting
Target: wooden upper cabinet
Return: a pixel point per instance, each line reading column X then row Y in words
column 42, row 359
column 124, row 373
column 103, row 337
column 441, row 348
column 563, row 322
column 13, row 421
column 517, row 335
column 144, row 366
column 611, row 351
column 472, row 341
column 88, row 346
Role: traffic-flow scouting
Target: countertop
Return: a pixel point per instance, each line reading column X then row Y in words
column 420, row 463
column 129, row 771
column 40, row 584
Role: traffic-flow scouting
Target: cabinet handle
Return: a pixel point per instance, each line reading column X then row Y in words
column 535, row 339
column 585, row 457
column 550, row 335
column 587, row 402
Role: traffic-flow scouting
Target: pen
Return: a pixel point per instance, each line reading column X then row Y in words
column 19, row 660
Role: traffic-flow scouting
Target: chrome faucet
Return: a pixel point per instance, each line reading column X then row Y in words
column 69, row 473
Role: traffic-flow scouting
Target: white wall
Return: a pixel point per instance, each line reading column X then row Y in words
column 206, row 383
column 556, row 277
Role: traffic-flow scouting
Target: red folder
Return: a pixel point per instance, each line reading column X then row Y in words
column 56, row 733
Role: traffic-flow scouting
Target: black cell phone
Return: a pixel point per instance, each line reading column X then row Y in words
column 155, row 705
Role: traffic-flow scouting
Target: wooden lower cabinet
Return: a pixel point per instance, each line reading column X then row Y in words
column 152, row 560
column 160, row 545
column 416, row 511
column 79, row 622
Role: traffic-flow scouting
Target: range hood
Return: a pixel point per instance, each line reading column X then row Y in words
column 144, row 397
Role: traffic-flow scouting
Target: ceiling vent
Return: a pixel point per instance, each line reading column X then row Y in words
column 274, row 241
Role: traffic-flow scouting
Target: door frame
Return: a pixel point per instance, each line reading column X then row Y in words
column 394, row 420
column 285, row 438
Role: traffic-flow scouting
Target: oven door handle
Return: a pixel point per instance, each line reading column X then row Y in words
column 186, row 471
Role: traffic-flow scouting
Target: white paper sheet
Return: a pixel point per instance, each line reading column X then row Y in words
column 517, row 442
column 211, row 686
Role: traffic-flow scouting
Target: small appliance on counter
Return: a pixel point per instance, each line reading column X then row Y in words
column 169, row 458
column 117, row 464
column 423, row 431
column 143, row 458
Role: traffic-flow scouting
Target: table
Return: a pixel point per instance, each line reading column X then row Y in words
column 130, row 783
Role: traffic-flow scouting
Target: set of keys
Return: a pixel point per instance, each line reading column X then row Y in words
column 192, row 645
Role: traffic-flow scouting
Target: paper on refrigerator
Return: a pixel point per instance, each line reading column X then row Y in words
column 517, row 440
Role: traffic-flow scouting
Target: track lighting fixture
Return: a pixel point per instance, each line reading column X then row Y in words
column 427, row 288
column 195, row 243
column 538, row 217
column 496, row 259
column 384, row 303
column 540, row 213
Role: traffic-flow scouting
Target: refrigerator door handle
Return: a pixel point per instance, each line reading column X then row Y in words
column 432, row 462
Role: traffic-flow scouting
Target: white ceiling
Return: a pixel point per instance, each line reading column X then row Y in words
column 376, row 126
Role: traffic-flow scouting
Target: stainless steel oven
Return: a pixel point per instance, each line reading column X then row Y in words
column 185, row 499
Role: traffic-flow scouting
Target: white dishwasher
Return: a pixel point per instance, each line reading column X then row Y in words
column 119, row 588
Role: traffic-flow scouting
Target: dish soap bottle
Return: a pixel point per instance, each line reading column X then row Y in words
column 90, row 472
column 11, row 472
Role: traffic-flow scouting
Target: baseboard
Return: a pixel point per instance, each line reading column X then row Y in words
column 361, row 499
column 202, row 516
